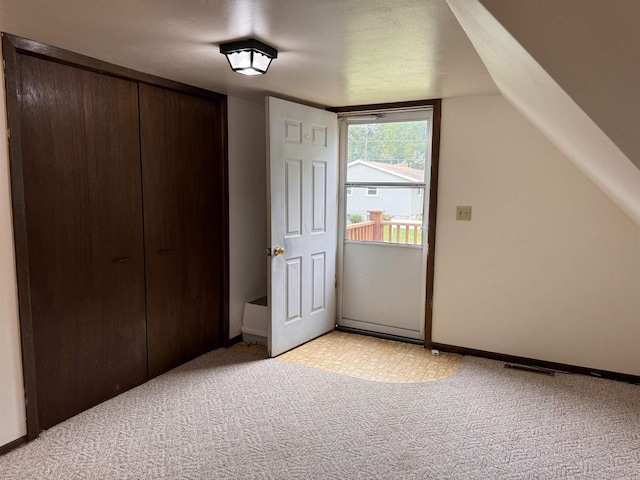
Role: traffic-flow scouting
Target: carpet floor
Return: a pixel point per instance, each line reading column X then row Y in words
column 229, row 414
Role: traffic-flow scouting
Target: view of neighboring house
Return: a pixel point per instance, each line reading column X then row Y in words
column 400, row 203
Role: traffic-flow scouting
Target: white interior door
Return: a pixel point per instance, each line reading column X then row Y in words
column 303, row 195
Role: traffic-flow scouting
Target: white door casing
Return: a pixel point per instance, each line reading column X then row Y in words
column 302, row 169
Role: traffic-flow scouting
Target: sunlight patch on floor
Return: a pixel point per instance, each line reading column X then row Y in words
column 373, row 359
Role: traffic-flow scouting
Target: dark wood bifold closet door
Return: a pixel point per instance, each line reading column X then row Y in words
column 82, row 190
column 183, row 229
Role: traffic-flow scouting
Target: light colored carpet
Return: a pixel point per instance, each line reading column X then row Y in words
column 229, row 414
column 373, row 359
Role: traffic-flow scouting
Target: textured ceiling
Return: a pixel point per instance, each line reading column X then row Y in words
column 332, row 52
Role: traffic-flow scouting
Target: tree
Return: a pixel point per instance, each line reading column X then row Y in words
column 393, row 143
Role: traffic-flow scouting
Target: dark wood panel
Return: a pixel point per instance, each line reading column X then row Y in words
column 43, row 50
column 184, row 210
column 14, row 121
column 82, row 191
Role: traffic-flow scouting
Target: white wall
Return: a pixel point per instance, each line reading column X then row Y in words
column 12, row 412
column 247, row 207
column 549, row 266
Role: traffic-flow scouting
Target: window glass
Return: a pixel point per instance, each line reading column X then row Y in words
column 394, row 152
column 393, row 216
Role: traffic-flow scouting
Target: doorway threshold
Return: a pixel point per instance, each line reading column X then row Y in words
column 384, row 336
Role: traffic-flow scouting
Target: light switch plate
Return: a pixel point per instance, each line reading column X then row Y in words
column 463, row 213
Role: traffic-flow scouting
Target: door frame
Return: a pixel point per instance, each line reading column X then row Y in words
column 12, row 46
column 436, row 104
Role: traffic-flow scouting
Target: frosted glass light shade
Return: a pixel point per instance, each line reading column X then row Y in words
column 239, row 60
column 249, row 71
column 249, row 57
column 260, row 61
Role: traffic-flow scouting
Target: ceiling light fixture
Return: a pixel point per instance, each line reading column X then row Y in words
column 249, row 57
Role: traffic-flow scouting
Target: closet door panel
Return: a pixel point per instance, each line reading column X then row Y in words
column 80, row 135
column 183, row 229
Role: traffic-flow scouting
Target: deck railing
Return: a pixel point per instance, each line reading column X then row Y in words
column 379, row 230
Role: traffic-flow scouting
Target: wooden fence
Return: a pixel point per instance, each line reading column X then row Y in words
column 379, row 230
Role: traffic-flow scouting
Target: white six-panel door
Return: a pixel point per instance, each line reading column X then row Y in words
column 303, row 181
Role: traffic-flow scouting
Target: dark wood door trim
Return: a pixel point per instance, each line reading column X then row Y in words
column 433, row 211
column 385, row 106
column 223, row 132
column 55, row 54
column 433, row 188
column 12, row 46
column 10, row 55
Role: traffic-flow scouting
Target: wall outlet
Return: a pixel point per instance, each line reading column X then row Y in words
column 463, row 213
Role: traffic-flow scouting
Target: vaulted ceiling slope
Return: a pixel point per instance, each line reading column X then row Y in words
column 540, row 98
column 592, row 49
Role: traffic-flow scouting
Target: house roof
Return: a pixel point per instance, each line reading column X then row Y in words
column 399, row 170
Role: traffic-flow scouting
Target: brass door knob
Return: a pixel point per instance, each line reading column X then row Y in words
column 278, row 251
